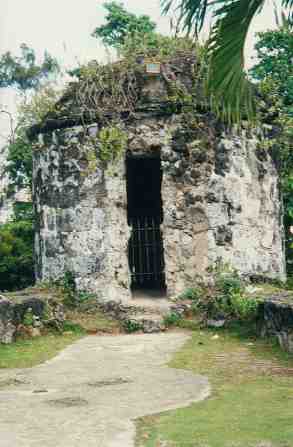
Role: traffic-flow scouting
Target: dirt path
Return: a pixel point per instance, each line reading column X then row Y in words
column 89, row 395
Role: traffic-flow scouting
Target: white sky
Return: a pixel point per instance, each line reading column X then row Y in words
column 64, row 27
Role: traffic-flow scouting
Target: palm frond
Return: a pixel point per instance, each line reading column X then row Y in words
column 288, row 4
column 227, row 83
column 192, row 13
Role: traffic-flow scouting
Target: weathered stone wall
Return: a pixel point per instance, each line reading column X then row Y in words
column 244, row 208
column 80, row 214
column 185, row 220
column 220, row 198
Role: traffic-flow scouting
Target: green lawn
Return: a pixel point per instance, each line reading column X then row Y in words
column 252, row 396
column 27, row 353
column 95, row 322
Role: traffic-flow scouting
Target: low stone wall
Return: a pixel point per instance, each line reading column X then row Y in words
column 275, row 318
column 28, row 316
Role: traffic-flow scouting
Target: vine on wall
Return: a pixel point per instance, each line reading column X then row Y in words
column 113, row 141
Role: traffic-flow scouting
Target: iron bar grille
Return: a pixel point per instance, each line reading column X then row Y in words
column 146, row 253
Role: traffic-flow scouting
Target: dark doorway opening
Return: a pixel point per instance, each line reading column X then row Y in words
column 145, row 215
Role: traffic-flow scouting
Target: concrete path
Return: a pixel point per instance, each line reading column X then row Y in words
column 90, row 394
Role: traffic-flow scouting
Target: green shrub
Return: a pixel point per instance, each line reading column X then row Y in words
column 243, row 307
column 131, row 326
column 228, row 283
column 69, row 326
column 28, row 318
column 68, row 282
column 83, row 297
column 231, row 300
column 68, row 289
column 192, row 293
column 234, row 305
column 289, row 283
column 172, row 319
column 16, row 255
column 196, row 295
column 71, row 296
column 23, row 211
column 197, row 306
column 220, row 305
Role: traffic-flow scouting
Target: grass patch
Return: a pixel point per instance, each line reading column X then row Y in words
column 252, row 395
column 28, row 353
column 84, row 318
column 94, row 322
column 264, row 290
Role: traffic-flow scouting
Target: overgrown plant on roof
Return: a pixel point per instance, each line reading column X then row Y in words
column 112, row 92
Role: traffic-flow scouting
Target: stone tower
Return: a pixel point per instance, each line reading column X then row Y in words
column 181, row 195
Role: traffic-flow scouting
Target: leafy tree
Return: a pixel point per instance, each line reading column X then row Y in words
column 227, row 82
column 121, row 24
column 274, row 73
column 16, row 255
column 20, row 162
column 23, row 211
column 20, row 151
column 23, row 72
column 274, row 52
column 38, row 96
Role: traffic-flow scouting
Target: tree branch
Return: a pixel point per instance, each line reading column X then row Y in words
column 11, row 123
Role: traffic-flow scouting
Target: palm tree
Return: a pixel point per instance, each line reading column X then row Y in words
column 227, row 83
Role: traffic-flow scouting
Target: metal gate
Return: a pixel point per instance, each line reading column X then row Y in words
column 146, row 254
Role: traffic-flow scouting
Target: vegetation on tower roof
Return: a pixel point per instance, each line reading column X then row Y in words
column 103, row 92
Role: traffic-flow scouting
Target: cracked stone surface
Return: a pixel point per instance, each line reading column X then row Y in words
column 220, row 198
column 55, row 404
